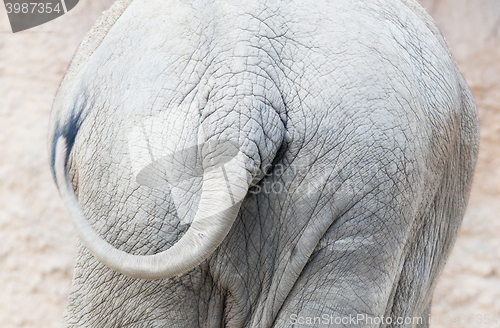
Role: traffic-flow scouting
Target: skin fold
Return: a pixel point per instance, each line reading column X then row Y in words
column 324, row 150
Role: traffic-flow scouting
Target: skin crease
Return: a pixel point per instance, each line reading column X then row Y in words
column 359, row 132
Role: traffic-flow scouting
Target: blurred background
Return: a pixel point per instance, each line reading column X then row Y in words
column 37, row 241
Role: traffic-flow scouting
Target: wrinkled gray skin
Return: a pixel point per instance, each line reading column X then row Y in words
column 352, row 111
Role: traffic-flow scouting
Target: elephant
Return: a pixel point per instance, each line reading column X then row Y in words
column 266, row 163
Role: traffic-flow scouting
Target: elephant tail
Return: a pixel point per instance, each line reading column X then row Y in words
column 223, row 190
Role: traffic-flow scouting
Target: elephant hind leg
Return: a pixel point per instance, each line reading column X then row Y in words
column 426, row 254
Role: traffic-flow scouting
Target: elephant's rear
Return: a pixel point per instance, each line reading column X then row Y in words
column 355, row 109
column 398, row 149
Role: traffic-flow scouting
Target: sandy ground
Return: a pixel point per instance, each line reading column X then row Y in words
column 37, row 242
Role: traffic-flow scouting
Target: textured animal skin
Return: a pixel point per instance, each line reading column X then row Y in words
column 290, row 163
